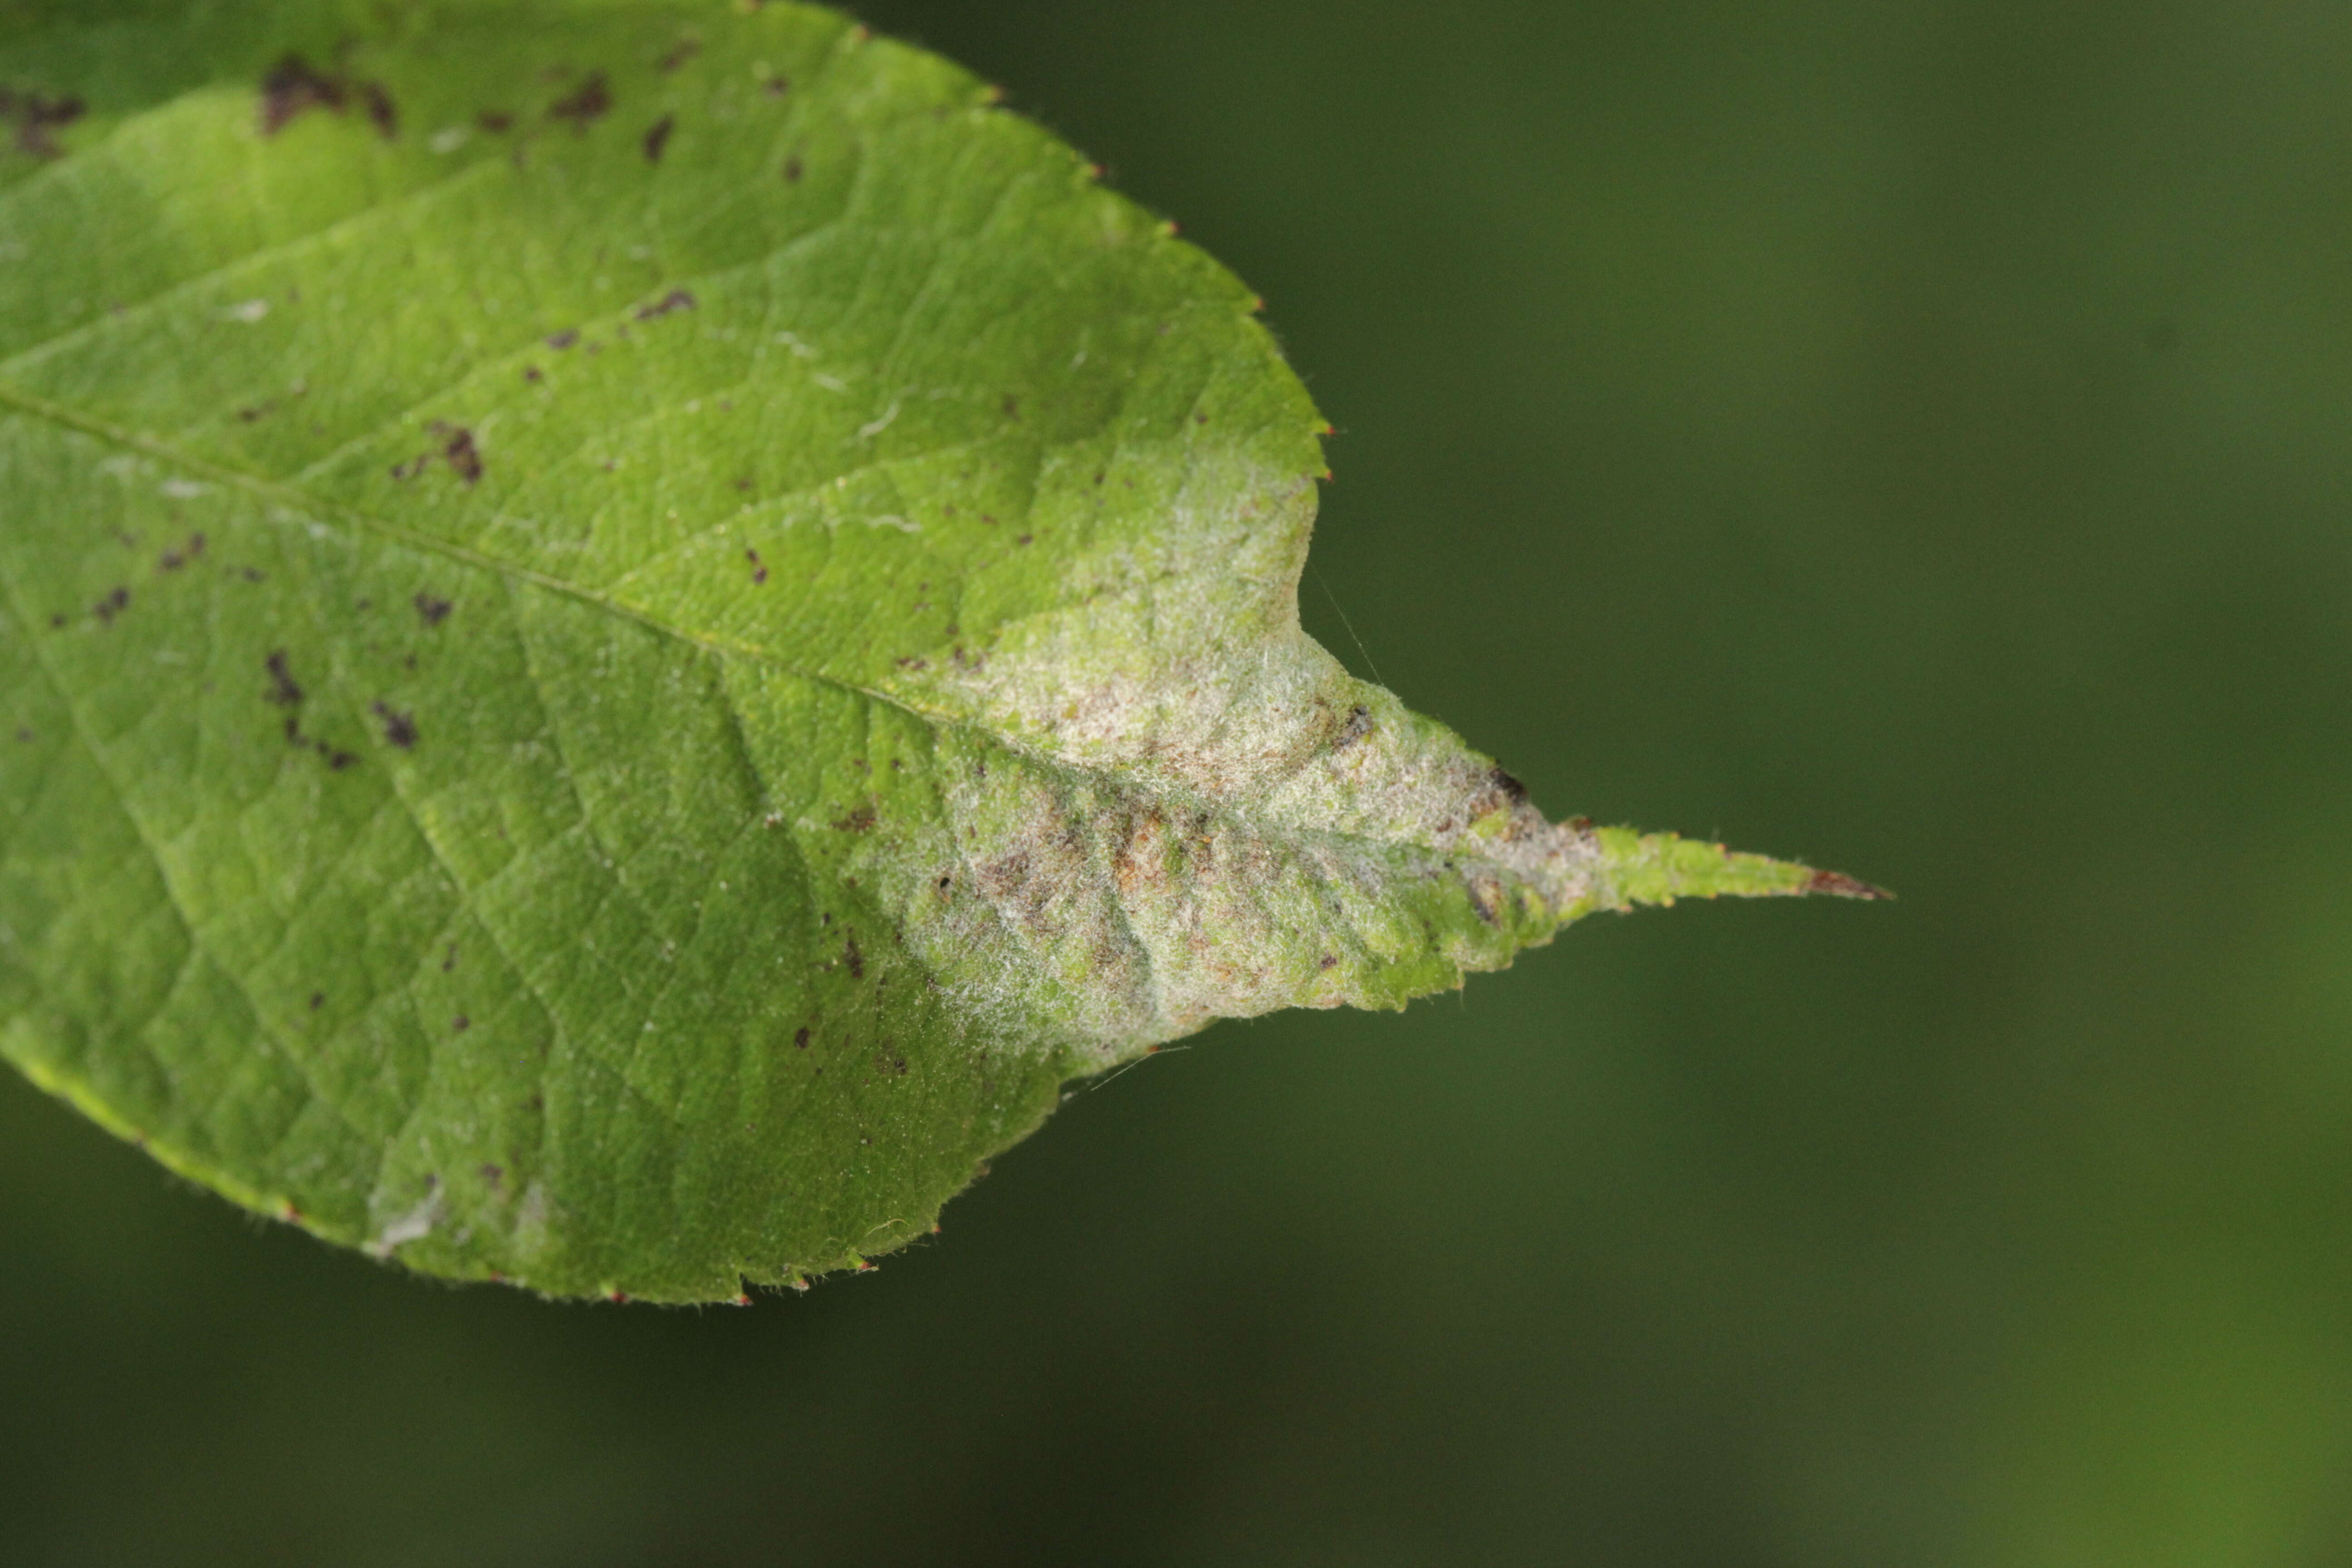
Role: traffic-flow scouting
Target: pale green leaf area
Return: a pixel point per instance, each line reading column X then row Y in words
column 628, row 631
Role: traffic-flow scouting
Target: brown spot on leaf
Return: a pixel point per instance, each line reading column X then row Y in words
column 800, row 1039
column 564, row 340
column 589, row 102
column 657, row 137
column 793, row 170
column 430, row 610
column 676, row 299
column 283, row 690
column 460, row 1023
column 399, row 729
column 293, row 89
column 855, row 959
column 465, row 459
column 758, row 567
column 494, row 122
column 36, row 116
column 381, row 111
column 858, row 821
column 113, row 604
column 685, row 50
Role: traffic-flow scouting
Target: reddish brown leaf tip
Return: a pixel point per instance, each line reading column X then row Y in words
column 1838, row 885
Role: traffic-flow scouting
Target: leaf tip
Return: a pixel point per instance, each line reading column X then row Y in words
column 1838, row 885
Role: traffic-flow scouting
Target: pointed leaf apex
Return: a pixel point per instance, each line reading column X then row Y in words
column 1659, row 867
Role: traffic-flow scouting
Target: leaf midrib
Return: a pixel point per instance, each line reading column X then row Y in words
column 263, row 488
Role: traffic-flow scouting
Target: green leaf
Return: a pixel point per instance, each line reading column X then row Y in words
column 630, row 629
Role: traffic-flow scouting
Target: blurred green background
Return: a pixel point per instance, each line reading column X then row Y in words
column 1915, row 437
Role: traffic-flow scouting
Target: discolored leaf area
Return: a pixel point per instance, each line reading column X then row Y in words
column 628, row 630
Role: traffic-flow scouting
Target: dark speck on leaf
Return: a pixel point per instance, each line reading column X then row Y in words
column 1326, row 962
column 494, row 122
column 113, row 604
column 793, row 170
column 1359, row 725
column 56, row 622
column 337, row 761
column 778, row 86
column 910, row 662
column 676, row 299
column 800, row 1039
column 318, row 1000
column 381, row 111
column 759, row 568
column 658, row 137
column 1513, row 792
column 37, row 115
column 855, row 959
column 252, row 574
column 530, row 372
column 858, row 821
column 590, row 102
column 464, row 458
column 1023, row 539
column 283, row 690
column 292, row 88
column 459, row 1025
column 399, row 727
column 686, row 51
column 430, row 610
column 564, row 340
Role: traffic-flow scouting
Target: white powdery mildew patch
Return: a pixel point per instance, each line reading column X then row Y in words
column 1196, row 813
column 412, row 1225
